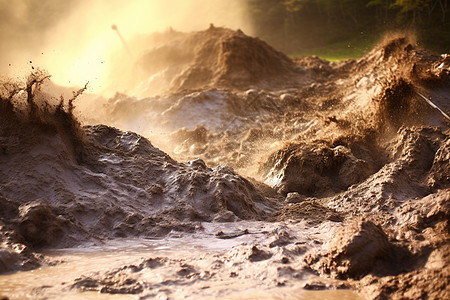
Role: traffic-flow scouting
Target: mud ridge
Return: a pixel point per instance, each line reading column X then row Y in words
column 327, row 175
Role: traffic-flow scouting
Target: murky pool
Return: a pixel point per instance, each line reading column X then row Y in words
column 208, row 255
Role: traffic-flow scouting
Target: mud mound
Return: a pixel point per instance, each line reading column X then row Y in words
column 439, row 176
column 120, row 185
column 424, row 284
column 403, row 58
column 316, row 65
column 421, row 227
column 408, row 173
column 353, row 252
column 314, row 169
column 399, row 51
column 398, row 105
column 14, row 255
column 39, row 225
column 346, row 141
column 362, row 100
column 412, row 245
column 218, row 57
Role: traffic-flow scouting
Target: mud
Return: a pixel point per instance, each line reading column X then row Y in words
column 316, row 175
column 215, row 58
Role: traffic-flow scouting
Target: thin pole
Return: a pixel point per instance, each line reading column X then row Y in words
column 434, row 105
column 116, row 29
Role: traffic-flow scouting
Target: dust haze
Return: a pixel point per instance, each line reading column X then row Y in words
column 74, row 41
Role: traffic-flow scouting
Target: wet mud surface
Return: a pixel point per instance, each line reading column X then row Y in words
column 254, row 175
column 203, row 265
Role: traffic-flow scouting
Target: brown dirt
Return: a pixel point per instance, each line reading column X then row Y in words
column 348, row 149
column 63, row 202
column 219, row 58
column 353, row 252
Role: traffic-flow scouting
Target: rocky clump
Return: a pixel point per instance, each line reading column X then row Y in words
column 314, row 169
column 355, row 251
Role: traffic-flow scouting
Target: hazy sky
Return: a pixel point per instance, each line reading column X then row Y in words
column 73, row 39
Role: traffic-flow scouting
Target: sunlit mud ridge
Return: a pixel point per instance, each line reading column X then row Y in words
column 321, row 176
column 215, row 58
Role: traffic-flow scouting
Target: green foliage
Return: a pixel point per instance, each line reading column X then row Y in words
column 376, row 3
column 355, row 47
column 296, row 26
column 293, row 5
column 410, row 5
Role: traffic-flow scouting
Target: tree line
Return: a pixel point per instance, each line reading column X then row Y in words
column 293, row 25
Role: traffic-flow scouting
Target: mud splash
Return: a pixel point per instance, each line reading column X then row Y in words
column 347, row 182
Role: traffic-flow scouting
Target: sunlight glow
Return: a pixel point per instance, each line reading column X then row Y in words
column 80, row 47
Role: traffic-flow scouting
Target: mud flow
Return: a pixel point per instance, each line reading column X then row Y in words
column 228, row 170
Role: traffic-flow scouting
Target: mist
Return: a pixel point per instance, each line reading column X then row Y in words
column 74, row 41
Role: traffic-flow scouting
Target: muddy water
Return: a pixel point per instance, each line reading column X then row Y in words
column 55, row 280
